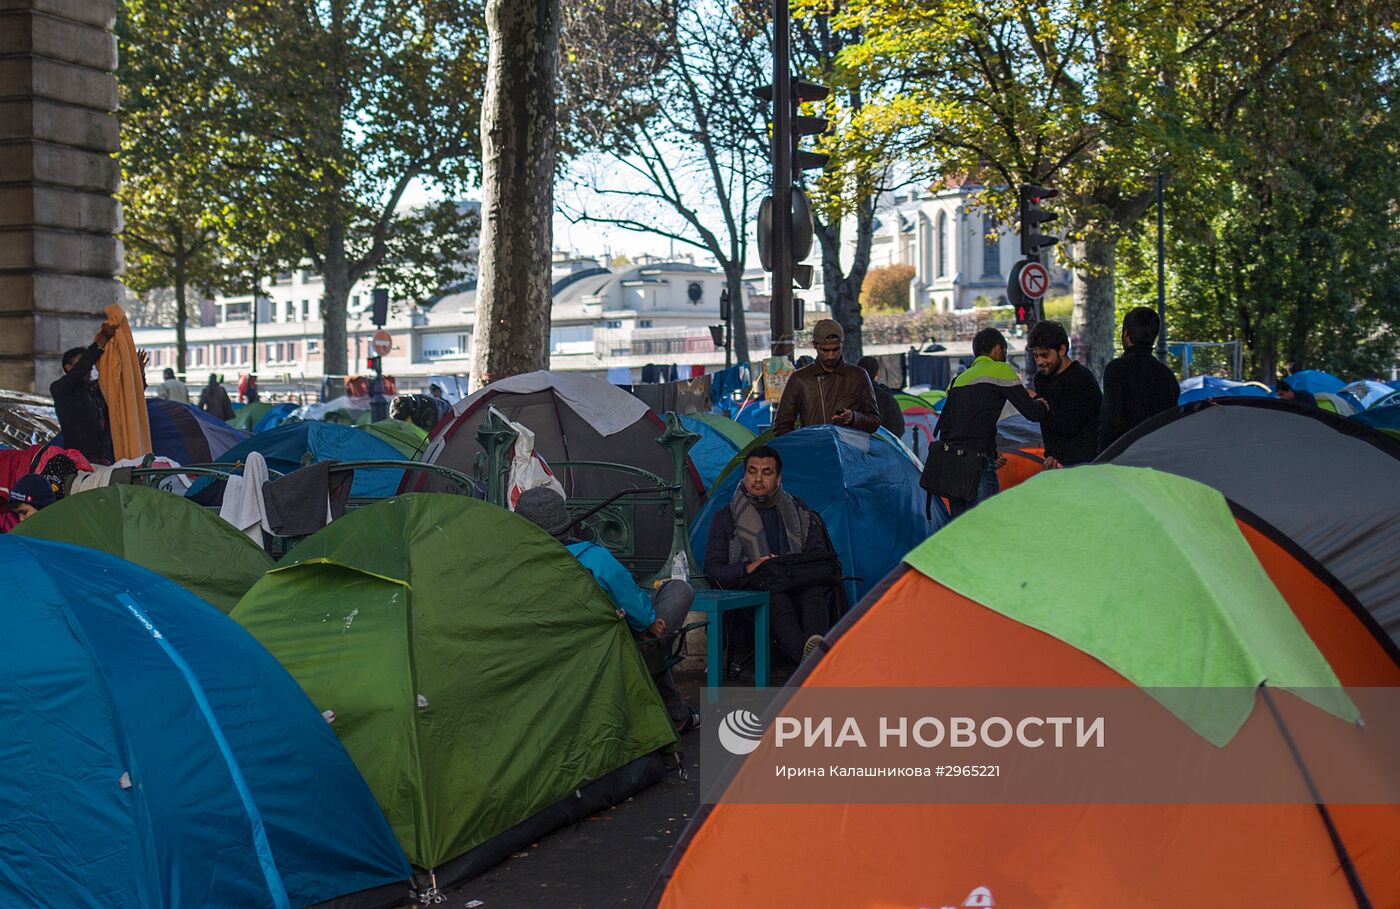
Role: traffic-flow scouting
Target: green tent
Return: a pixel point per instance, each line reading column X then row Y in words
column 479, row 677
column 406, row 437
column 248, row 415
column 165, row 533
column 732, row 430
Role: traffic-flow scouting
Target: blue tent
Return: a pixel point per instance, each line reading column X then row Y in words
column 1214, row 387
column 184, row 433
column 276, row 415
column 157, row 756
column 716, row 448
column 1315, row 381
column 284, row 447
column 866, row 489
column 756, row 416
column 1386, row 419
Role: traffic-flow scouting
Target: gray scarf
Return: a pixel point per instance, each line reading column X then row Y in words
column 749, row 541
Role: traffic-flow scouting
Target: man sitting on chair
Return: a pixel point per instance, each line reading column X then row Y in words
column 646, row 617
column 764, row 521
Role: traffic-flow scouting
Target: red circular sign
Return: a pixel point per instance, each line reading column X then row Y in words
column 1035, row 280
column 383, row 342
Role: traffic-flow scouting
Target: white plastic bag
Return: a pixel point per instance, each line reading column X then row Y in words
column 527, row 468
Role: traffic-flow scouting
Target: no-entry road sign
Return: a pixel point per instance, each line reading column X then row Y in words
column 383, row 342
column 1034, row 280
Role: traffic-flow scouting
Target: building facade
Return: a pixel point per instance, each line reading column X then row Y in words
column 602, row 319
column 961, row 255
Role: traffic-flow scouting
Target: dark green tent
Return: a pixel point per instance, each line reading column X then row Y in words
column 165, row 533
column 481, row 680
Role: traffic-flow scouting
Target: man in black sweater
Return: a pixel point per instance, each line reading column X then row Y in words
column 891, row 417
column 1136, row 386
column 1071, row 428
column 78, row 401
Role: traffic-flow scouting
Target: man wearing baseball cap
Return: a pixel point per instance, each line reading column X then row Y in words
column 30, row 493
column 829, row 390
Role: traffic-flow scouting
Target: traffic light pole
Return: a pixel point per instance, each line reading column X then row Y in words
column 780, row 305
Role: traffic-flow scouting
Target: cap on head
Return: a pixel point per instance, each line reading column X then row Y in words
column 545, row 508
column 34, row 489
column 827, row 331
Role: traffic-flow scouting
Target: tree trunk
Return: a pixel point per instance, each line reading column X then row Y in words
column 738, row 318
column 843, row 289
column 1093, row 326
column 334, row 354
column 518, row 139
column 181, row 312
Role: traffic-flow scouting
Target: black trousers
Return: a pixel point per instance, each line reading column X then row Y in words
column 797, row 615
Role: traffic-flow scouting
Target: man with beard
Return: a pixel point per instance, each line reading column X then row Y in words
column 1071, row 428
column 829, row 390
column 764, row 521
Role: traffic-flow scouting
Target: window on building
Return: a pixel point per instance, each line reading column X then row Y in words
column 942, row 244
column 199, row 356
column 312, row 347
column 282, row 277
column 306, row 310
column 644, row 323
column 289, row 311
column 991, row 249
column 613, row 323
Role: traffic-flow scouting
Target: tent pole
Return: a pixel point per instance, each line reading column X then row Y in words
column 1353, row 879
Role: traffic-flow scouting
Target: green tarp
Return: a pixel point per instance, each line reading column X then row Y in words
column 477, row 672
column 165, row 533
column 1147, row 572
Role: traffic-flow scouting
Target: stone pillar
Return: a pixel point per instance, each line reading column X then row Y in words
column 59, row 255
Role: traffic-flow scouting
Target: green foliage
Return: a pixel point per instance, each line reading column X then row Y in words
column 182, row 154
column 1285, row 238
column 1094, row 97
column 886, row 289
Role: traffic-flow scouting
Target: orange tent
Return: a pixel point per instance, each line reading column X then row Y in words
column 917, row 630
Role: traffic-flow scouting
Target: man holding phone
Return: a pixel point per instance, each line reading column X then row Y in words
column 829, row 390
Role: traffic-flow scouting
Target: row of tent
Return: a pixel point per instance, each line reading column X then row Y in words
column 1218, row 546
column 428, row 681
column 346, row 593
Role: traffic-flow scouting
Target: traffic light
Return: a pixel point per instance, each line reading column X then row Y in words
column 379, row 299
column 803, row 231
column 802, row 91
column 372, row 364
column 1032, row 216
column 1026, row 313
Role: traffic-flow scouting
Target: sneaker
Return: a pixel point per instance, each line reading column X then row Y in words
column 689, row 723
column 814, row 642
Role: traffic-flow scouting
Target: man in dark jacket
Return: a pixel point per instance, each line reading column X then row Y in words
column 1136, row 386
column 78, row 401
column 214, row 401
column 829, row 390
column 891, row 416
column 974, row 404
column 1071, row 428
column 763, row 521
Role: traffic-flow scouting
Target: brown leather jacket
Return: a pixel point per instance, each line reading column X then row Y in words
column 814, row 396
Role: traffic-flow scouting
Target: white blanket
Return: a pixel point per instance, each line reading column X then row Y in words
column 243, row 499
